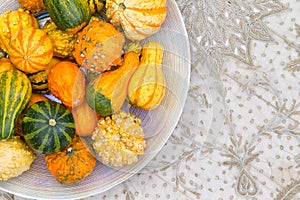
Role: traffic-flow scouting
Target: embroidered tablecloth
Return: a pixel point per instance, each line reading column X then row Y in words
column 239, row 134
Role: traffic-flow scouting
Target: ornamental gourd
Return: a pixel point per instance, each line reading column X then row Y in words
column 71, row 164
column 147, row 85
column 67, row 83
column 15, row 93
column 138, row 18
column 48, row 127
column 31, row 50
column 98, row 45
column 96, row 5
column 11, row 22
column 33, row 5
column 5, row 64
column 15, row 158
column 63, row 42
column 108, row 91
column 70, row 16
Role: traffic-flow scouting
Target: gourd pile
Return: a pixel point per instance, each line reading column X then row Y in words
column 89, row 57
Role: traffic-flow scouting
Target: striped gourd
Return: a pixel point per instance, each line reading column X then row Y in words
column 96, row 5
column 70, row 16
column 15, row 93
column 48, row 127
column 31, row 50
column 12, row 21
column 147, row 85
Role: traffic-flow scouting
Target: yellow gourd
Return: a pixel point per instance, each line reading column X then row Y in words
column 147, row 85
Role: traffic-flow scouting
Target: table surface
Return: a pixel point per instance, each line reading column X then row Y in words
column 239, row 134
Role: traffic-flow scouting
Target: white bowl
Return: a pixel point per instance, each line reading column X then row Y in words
column 158, row 124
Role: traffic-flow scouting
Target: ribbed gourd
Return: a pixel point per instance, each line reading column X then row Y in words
column 108, row 91
column 48, row 127
column 147, row 85
column 12, row 21
column 138, row 18
column 15, row 93
column 70, row 16
column 96, row 5
column 33, row 6
column 31, row 50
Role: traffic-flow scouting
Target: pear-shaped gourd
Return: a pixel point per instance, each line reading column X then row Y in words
column 147, row 85
column 107, row 93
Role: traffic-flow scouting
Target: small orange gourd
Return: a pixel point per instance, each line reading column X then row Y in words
column 31, row 50
column 85, row 119
column 138, row 18
column 67, row 83
column 147, row 85
column 98, row 45
column 72, row 164
column 12, row 21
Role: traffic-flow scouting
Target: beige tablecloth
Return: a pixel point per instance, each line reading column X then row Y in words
column 239, row 134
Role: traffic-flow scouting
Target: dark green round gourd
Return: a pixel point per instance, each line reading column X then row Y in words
column 70, row 16
column 48, row 127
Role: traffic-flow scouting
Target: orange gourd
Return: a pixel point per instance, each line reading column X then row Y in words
column 107, row 93
column 85, row 119
column 5, row 64
column 67, row 82
column 98, row 45
column 33, row 5
column 147, row 85
column 12, row 21
column 72, row 164
column 138, row 18
column 31, row 50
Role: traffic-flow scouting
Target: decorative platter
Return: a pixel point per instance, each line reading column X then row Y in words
column 158, row 124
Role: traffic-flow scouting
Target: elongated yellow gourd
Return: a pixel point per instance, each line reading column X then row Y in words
column 147, row 85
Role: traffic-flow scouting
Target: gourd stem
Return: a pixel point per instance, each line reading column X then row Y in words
column 52, row 122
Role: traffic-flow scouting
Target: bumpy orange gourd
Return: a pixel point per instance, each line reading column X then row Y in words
column 138, row 18
column 98, row 45
column 147, row 85
column 67, row 82
column 72, row 164
column 12, row 21
column 33, row 5
column 31, row 50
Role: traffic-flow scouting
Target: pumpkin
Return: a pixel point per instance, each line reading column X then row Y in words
column 147, row 85
column 108, row 91
column 85, row 119
column 63, row 42
column 31, row 50
column 12, row 21
column 98, row 45
column 15, row 158
column 39, row 80
column 5, row 64
column 70, row 16
column 138, row 18
column 67, row 83
column 72, row 164
column 96, row 5
column 119, row 139
column 33, row 5
column 48, row 127
column 15, row 93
